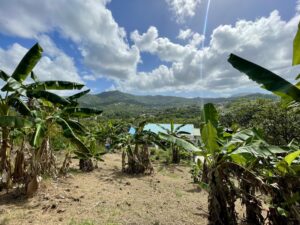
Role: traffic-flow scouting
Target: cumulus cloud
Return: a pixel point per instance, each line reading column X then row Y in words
column 185, row 34
column 183, row 9
column 54, row 65
column 107, row 53
column 89, row 24
column 193, row 38
column 266, row 41
column 162, row 47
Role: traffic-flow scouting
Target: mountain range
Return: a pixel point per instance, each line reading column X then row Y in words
column 120, row 104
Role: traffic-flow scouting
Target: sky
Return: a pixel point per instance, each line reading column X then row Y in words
column 151, row 47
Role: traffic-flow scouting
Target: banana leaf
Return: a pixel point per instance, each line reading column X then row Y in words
column 209, row 136
column 14, row 85
column 78, row 95
column 19, row 106
column 69, row 133
column 81, row 112
column 28, row 63
column 14, row 122
column 54, row 85
column 49, row 96
column 296, row 51
column 4, row 76
column 269, row 80
column 209, row 113
column 38, row 133
column 76, row 126
column 178, row 142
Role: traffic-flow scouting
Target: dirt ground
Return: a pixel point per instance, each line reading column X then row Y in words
column 106, row 196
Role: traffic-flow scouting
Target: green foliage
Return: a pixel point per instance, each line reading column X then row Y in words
column 276, row 123
column 27, row 64
column 270, row 81
column 296, row 52
column 54, row 85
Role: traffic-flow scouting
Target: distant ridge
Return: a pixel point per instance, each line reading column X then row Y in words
column 117, row 102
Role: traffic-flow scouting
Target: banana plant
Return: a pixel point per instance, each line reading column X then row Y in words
column 176, row 132
column 13, row 89
column 59, row 111
column 135, row 154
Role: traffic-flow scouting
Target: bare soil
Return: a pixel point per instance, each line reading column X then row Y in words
column 107, row 196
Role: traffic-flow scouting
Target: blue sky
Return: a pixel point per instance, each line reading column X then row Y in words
column 150, row 47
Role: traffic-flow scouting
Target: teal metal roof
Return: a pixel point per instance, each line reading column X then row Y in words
column 189, row 128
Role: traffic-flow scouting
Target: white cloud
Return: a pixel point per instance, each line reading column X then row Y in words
column 266, row 41
column 183, row 9
column 197, row 39
column 89, row 77
column 193, row 38
column 52, row 66
column 298, row 6
column 185, row 34
column 162, row 47
column 107, row 53
column 87, row 23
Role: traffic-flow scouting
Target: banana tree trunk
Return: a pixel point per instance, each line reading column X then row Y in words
column 148, row 167
column 204, row 177
column 175, row 155
column 46, row 158
column 86, row 165
column 253, row 206
column 5, row 164
column 220, row 207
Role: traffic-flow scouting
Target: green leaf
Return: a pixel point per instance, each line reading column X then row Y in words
column 291, row 157
column 266, row 78
column 282, row 211
column 13, row 85
column 69, row 133
column 78, row 95
column 38, row 133
column 19, row 106
column 27, row 63
column 209, row 113
column 209, row 137
column 81, row 112
column 14, row 122
column 54, row 85
column 4, row 76
column 178, row 142
column 296, row 50
column 33, row 76
column 76, row 126
column 49, row 96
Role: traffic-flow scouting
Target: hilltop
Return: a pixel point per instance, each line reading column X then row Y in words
column 117, row 104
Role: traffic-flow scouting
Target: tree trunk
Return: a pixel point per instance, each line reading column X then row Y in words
column 86, row 165
column 253, row 206
column 146, row 160
column 221, row 211
column 66, row 164
column 175, row 155
column 46, row 159
column 19, row 174
column 205, row 171
column 5, row 164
